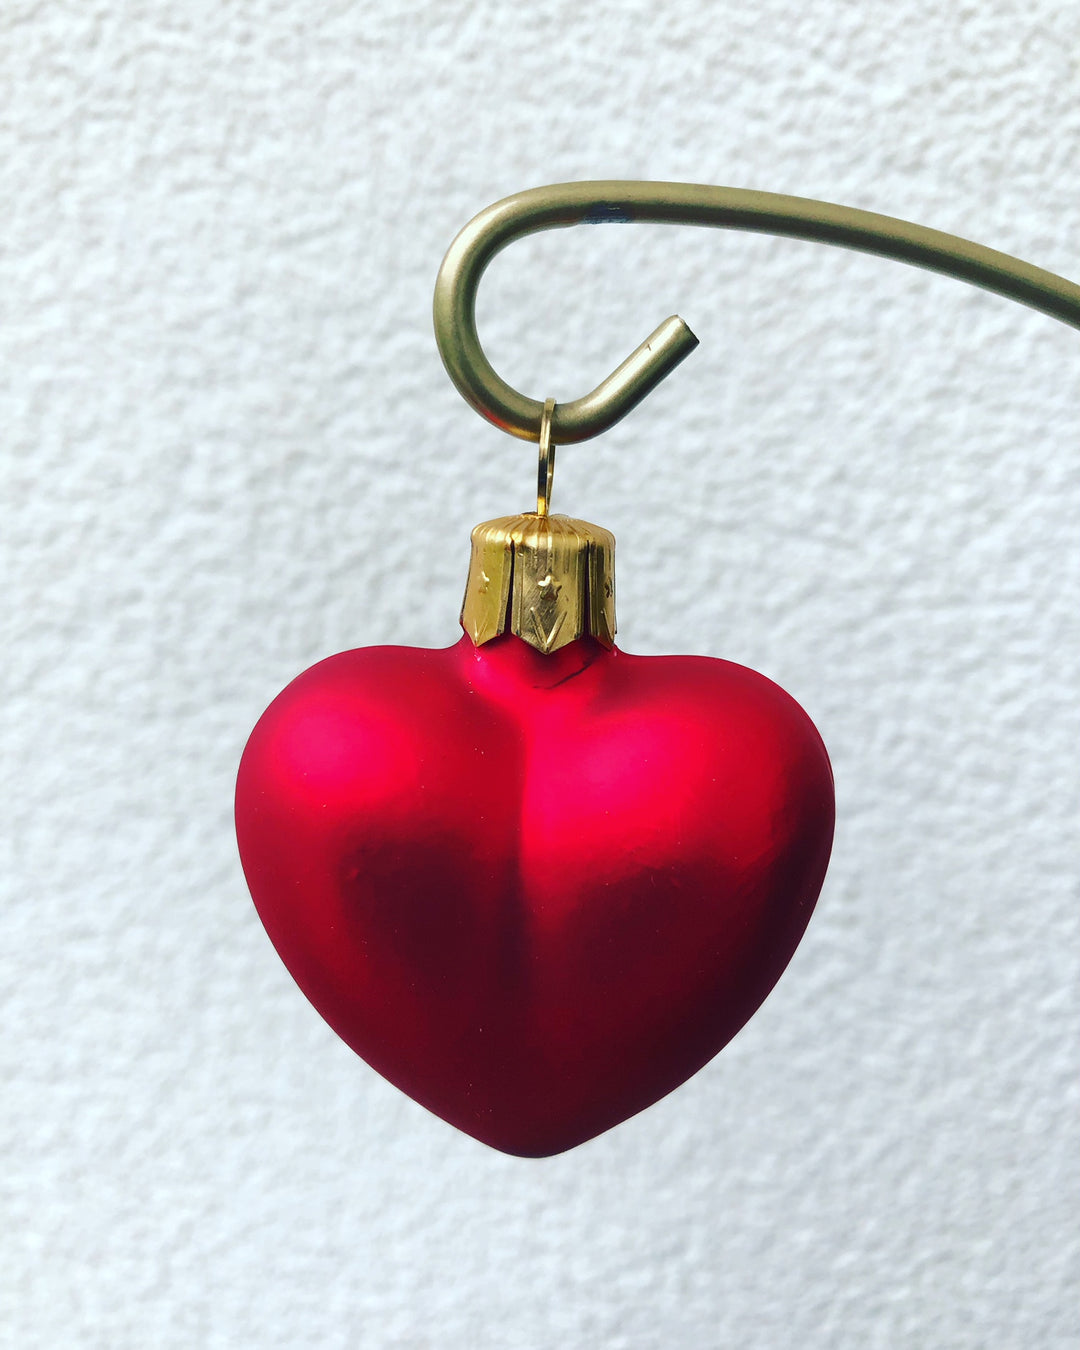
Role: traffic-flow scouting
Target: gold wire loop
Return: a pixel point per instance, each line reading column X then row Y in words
column 546, row 472
column 565, row 204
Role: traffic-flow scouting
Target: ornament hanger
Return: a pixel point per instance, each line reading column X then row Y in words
column 594, row 203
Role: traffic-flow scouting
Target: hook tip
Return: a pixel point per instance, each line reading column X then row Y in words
column 692, row 339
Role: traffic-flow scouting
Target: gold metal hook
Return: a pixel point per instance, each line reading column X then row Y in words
column 565, row 204
column 545, row 476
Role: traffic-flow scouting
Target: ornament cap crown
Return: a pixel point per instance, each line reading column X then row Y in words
column 549, row 580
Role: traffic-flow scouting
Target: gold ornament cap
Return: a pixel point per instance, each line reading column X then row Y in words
column 549, row 580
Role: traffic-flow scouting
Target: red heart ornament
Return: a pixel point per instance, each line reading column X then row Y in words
column 535, row 892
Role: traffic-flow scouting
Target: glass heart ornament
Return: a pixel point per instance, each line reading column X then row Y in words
column 535, row 881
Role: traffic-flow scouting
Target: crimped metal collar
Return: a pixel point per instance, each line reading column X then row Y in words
column 547, row 579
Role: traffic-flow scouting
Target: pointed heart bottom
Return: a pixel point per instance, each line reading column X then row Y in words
column 534, row 892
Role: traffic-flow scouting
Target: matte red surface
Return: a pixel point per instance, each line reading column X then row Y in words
column 535, row 892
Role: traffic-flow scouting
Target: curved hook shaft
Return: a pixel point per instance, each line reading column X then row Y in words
column 565, row 204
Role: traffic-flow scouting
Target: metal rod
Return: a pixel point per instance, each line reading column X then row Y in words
column 564, row 204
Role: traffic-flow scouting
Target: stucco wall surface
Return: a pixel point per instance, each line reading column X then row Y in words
column 229, row 449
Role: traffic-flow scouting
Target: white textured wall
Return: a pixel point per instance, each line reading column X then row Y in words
column 225, row 425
